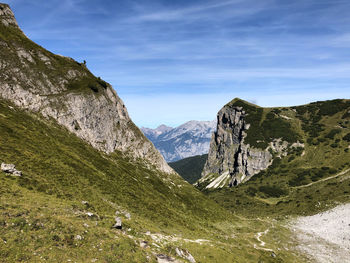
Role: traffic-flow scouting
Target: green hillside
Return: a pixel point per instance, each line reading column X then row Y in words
column 307, row 180
column 190, row 168
column 44, row 214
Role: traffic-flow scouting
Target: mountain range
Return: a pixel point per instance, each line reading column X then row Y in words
column 79, row 181
column 189, row 139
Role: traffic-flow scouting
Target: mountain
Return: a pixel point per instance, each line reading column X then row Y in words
column 60, row 88
column 106, row 194
column 189, row 139
column 80, row 183
column 190, row 168
column 285, row 160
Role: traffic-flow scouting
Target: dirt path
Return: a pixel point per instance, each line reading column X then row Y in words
column 262, row 243
column 325, row 236
column 325, row 179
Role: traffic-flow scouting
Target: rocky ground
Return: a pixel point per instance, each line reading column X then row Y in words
column 325, row 237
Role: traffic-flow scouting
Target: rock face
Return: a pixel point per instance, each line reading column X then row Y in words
column 64, row 90
column 189, row 139
column 230, row 160
column 7, row 16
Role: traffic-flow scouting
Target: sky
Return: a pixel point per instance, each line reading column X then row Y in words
column 175, row 61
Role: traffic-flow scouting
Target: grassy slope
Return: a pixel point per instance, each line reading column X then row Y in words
column 296, row 183
column 190, row 168
column 41, row 213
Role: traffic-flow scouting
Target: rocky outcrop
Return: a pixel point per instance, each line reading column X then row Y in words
column 10, row 169
column 6, row 16
column 64, row 90
column 230, row 160
column 185, row 255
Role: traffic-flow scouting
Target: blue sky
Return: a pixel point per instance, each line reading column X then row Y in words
column 174, row 61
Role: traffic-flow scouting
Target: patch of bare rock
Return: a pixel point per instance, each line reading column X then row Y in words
column 325, row 237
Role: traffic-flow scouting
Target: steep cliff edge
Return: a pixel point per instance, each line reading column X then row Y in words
column 60, row 88
column 247, row 139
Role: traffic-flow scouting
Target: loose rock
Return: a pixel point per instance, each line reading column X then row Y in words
column 10, row 169
column 118, row 223
column 185, row 254
column 143, row 244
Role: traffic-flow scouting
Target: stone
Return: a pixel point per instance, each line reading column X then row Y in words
column 143, row 244
column 118, row 223
column 161, row 258
column 128, row 216
column 10, row 169
column 185, row 255
column 78, row 237
column 17, row 173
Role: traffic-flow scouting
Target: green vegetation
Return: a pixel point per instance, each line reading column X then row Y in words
column 43, row 216
column 310, row 178
column 265, row 125
column 190, row 168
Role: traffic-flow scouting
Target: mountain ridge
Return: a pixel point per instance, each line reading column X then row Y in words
column 65, row 90
column 249, row 138
column 189, row 139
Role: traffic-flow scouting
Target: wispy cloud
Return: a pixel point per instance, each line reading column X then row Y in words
column 187, row 48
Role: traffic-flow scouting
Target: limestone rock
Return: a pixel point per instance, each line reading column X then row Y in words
column 10, row 169
column 143, row 244
column 6, row 16
column 118, row 223
column 185, row 254
column 161, row 258
column 229, row 157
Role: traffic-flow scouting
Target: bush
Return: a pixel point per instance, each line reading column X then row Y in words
column 332, row 133
column 251, row 191
column 272, row 191
column 347, row 137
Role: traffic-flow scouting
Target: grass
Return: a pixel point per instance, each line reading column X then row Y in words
column 265, row 125
column 42, row 214
column 190, row 168
column 297, row 184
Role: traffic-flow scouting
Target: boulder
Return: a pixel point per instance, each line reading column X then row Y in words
column 185, row 255
column 143, row 244
column 10, row 169
column 161, row 258
column 118, row 223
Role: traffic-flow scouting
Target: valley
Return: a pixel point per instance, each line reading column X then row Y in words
column 80, row 182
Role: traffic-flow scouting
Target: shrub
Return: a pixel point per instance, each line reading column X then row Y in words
column 347, row 137
column 272, row 191
column 332, row 133
column 251, row 191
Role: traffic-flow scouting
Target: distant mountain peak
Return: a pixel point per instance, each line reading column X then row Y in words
column 189, row 139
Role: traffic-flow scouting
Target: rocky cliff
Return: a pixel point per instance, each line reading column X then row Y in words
column 65, row 90
column 189, row 139
column 243, row 144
